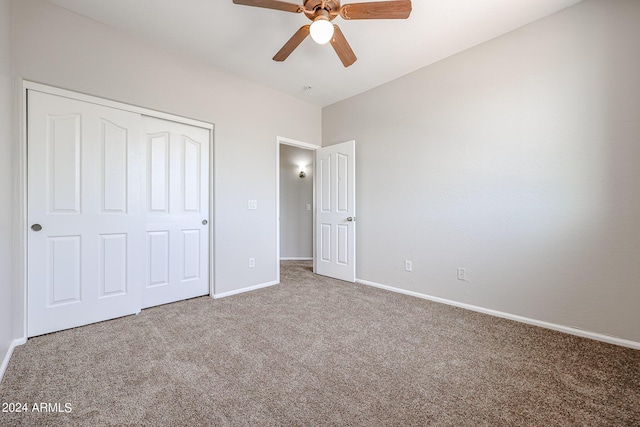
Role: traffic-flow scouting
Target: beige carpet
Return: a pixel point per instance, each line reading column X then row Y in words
column 316, row 352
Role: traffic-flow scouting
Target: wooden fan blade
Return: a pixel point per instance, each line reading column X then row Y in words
column 400, row 9
column 342, row 48
column 271, row 4
column 293, row 43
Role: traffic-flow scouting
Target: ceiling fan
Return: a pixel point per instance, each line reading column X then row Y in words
column 322, row 12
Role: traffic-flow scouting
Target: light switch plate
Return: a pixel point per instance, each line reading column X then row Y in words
column 252, row 204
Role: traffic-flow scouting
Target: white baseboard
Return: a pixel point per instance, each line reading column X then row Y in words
column 7, row 355
column 296, row 259
column 243, row 290
column 566, row 329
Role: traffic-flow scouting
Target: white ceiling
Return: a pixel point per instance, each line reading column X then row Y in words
column 242, row 39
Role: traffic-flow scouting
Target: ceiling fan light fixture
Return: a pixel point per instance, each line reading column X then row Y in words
column 321, row 30
column 322, row 12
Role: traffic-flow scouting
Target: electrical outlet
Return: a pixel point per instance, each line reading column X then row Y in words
column 252, row 262
column 462, row 274
column 408, row 265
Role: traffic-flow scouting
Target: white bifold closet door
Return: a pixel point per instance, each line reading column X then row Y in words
column 118, row 212
column 177, row 205
column 85, row 213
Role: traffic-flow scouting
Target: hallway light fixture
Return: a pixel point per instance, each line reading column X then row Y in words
column 302, row 173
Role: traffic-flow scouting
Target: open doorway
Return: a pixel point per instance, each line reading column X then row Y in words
column 296, row 201
column 333, row 235
column 296, row 213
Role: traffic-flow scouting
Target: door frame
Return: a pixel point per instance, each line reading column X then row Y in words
column 312, row 147
column 21, row 213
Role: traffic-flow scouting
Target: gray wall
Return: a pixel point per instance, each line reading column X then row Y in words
column 6, row 181
column 296, row 223
column 59, row 48
column 518, row 160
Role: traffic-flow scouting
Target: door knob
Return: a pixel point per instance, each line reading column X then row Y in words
column 205, row 222
column 350, row 219
column 36, row 227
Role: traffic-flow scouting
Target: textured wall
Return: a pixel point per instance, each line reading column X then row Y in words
column 518, row 160
column 6, row 180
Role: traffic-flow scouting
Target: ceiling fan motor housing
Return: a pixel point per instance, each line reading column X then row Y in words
column 315, row 8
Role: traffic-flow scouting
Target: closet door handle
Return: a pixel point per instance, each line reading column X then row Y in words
column 36, row 227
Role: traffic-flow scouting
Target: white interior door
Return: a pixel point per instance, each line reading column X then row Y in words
column 85, row 186
column 336, row 211
column 177, row 204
